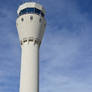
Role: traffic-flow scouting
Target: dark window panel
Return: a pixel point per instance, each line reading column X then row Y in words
column 31, row 10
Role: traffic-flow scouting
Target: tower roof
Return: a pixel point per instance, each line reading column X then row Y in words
column 31, row 5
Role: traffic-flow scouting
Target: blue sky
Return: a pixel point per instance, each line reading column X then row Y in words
column 66, row 50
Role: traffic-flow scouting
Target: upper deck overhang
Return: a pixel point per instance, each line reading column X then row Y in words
column 30, row 5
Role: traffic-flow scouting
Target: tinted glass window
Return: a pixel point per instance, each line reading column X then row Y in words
column 42, row 14
column 31, row 10
column 37, row 11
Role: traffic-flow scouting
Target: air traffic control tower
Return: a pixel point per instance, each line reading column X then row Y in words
column 31, row 25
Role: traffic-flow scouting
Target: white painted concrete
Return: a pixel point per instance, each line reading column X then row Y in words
column 30, row 32
column 29, row 68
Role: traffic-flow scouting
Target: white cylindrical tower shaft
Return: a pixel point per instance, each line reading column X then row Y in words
column 29, row 68
column 30, row 24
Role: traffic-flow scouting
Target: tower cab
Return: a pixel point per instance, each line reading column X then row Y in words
column 31, row 22
column 31, row 8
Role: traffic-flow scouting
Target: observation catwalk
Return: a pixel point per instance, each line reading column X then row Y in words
column 31, row 25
